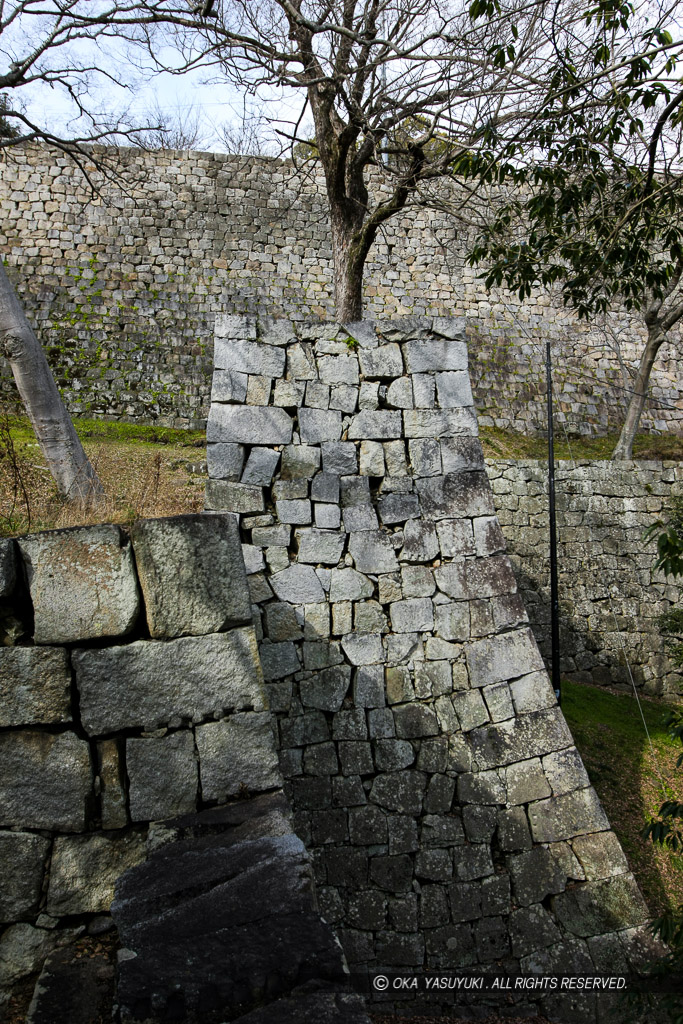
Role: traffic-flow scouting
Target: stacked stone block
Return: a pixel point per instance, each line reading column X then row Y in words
column 610, row 595
column 431, row 772
column 131, row 693
column 124, row 291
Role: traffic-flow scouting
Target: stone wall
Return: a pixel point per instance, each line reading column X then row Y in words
column 610, row 596
column 124, row 289
column 432, row 774
column 131, row 693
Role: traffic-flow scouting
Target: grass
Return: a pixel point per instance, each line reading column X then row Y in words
column 506, row 444
column 631, row 778
column 145, row 472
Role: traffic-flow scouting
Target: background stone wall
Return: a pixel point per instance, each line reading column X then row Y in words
column 130, row 693
column 124, row 289
column 433, row 777
column 610, row 596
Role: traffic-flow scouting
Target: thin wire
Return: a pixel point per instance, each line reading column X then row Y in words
column 618, row 631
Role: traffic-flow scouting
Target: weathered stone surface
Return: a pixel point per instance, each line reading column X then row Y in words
column 112, row 784
column 503, row 657
column 399, row 791
column 320, row 547
column 298, row 585
column 224, row 461
column 439, row 422
column 360, row 517
column 84, row 870
column 318, row 425
column 201, row 953
column 355, row 490
column 278, row 660
column 396, row 508
column 453, row 389
column 525, row 736
column 82, row 583
column 237, row 753
column 535, row 874
column 249, row 357
column 435, row 355
column 163, row 776
column 339, row 458
column 149, row 684
column 372, row 552
column 35, row 685
column 22, row 862
column 384, row 361
column 455, row 496
column 338, row 369
column 260, row 466
column 72, row 990
column 192, row 576
column 565, row 771
column 299, row 462
column 526, row 782
column 229, row 386
column 600, row 854
column 380, row 425
column 23, row 949
column 601, row 906
column 46, row 780
column 349, row 585
column 230, row 496
column 249, row 424
column 365, row 649
column 563, row 817
column 8, row 572
column 314, row 1007
column 414, row 615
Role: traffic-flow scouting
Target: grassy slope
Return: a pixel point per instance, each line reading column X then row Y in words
column 631, row 778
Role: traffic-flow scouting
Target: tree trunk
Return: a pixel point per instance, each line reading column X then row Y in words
column 348, row 270
column 64, row 454
column 655, row 338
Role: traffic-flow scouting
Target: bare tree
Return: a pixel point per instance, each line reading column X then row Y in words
column 177, row 127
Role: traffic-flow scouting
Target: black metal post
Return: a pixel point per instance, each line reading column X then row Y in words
column 554, row 600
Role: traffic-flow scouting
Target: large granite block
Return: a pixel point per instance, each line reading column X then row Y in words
column 7, row 566
column 237, row 755
column 35, row 686
column 503, row 657
column 82, row 583
column 163, row 776
column 249, row 424
column 435, row 355
column 192, row 575
column 85, row 869
column 249, row 357
column 22, row 863
column 46, row 780
column 532, row 735
column 148, row 683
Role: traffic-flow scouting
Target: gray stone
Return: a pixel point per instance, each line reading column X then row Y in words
column 253, row 560
column 149, row 684
column 396, row 508
column 82, row 583
column 535, row 874
column 35, row 686
column 237, row 753
column 318, row 425
column 339, row 457
column 338, row 369
column 349, row 585
column 298, row 585
column 397, row 478
column 163, row 776
column 425, row 456
column 417, row 581
column 488, row 536
column 368, row 397
column 112, row 785
column 471, row 711
column 260, row 466
column 503, row 657
column 368, row 686
column 564, row 770
column 84, row 870
column 228, row 386
column 344, row 397
column 435, row 355
column 271, row 536
column 532, row 692
column 225, row 461
column 289, row 394
column 400, row 791
column 455, row 538
column 601, row 906
column 381, row 726
column 296, row 511
column 325, row 487
column 22, row 863
column 424, row 390
column 228, row 496
column 526, row 736
column 453, row 389
column 394, row 874
column 321, row 655
column 600, row 855
column 498, row 701
column 439, row 423
column 393, row 755
column 360, row 517
column 384, row 361
column 564, row 817
column 470, row 862
column 326, row 689
column 400, row 393
column 321, row 759
column 248, row 357
column 249, row 424
column 327, row 516
column 46, row 780
column 301, row 363
column 299, row 462
column 413, row 721
column 462, row 454
column 7, row 567
column 455, row 496
column 513, row 829
column 526, row 782
column 532, row 928
column 320, row 547
column 375, row 425
column 414, row 615
column 481, row 788
column 420, row 542
column 234, row 325
column 371, row 458
column 372, row 552
column 355, row 490
column 23, row 949
column 191, row 572
column 452, row 621
column 355, row 757
column 281, row 622
column 364, row 649
column 369, row 618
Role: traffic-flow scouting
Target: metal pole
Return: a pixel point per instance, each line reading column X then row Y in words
column 554, row 601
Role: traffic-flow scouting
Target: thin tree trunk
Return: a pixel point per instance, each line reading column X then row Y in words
column 348, row 272
column 655, row 338
column 64, row 454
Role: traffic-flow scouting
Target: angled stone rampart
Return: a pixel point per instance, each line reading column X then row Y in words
column 432, row 774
